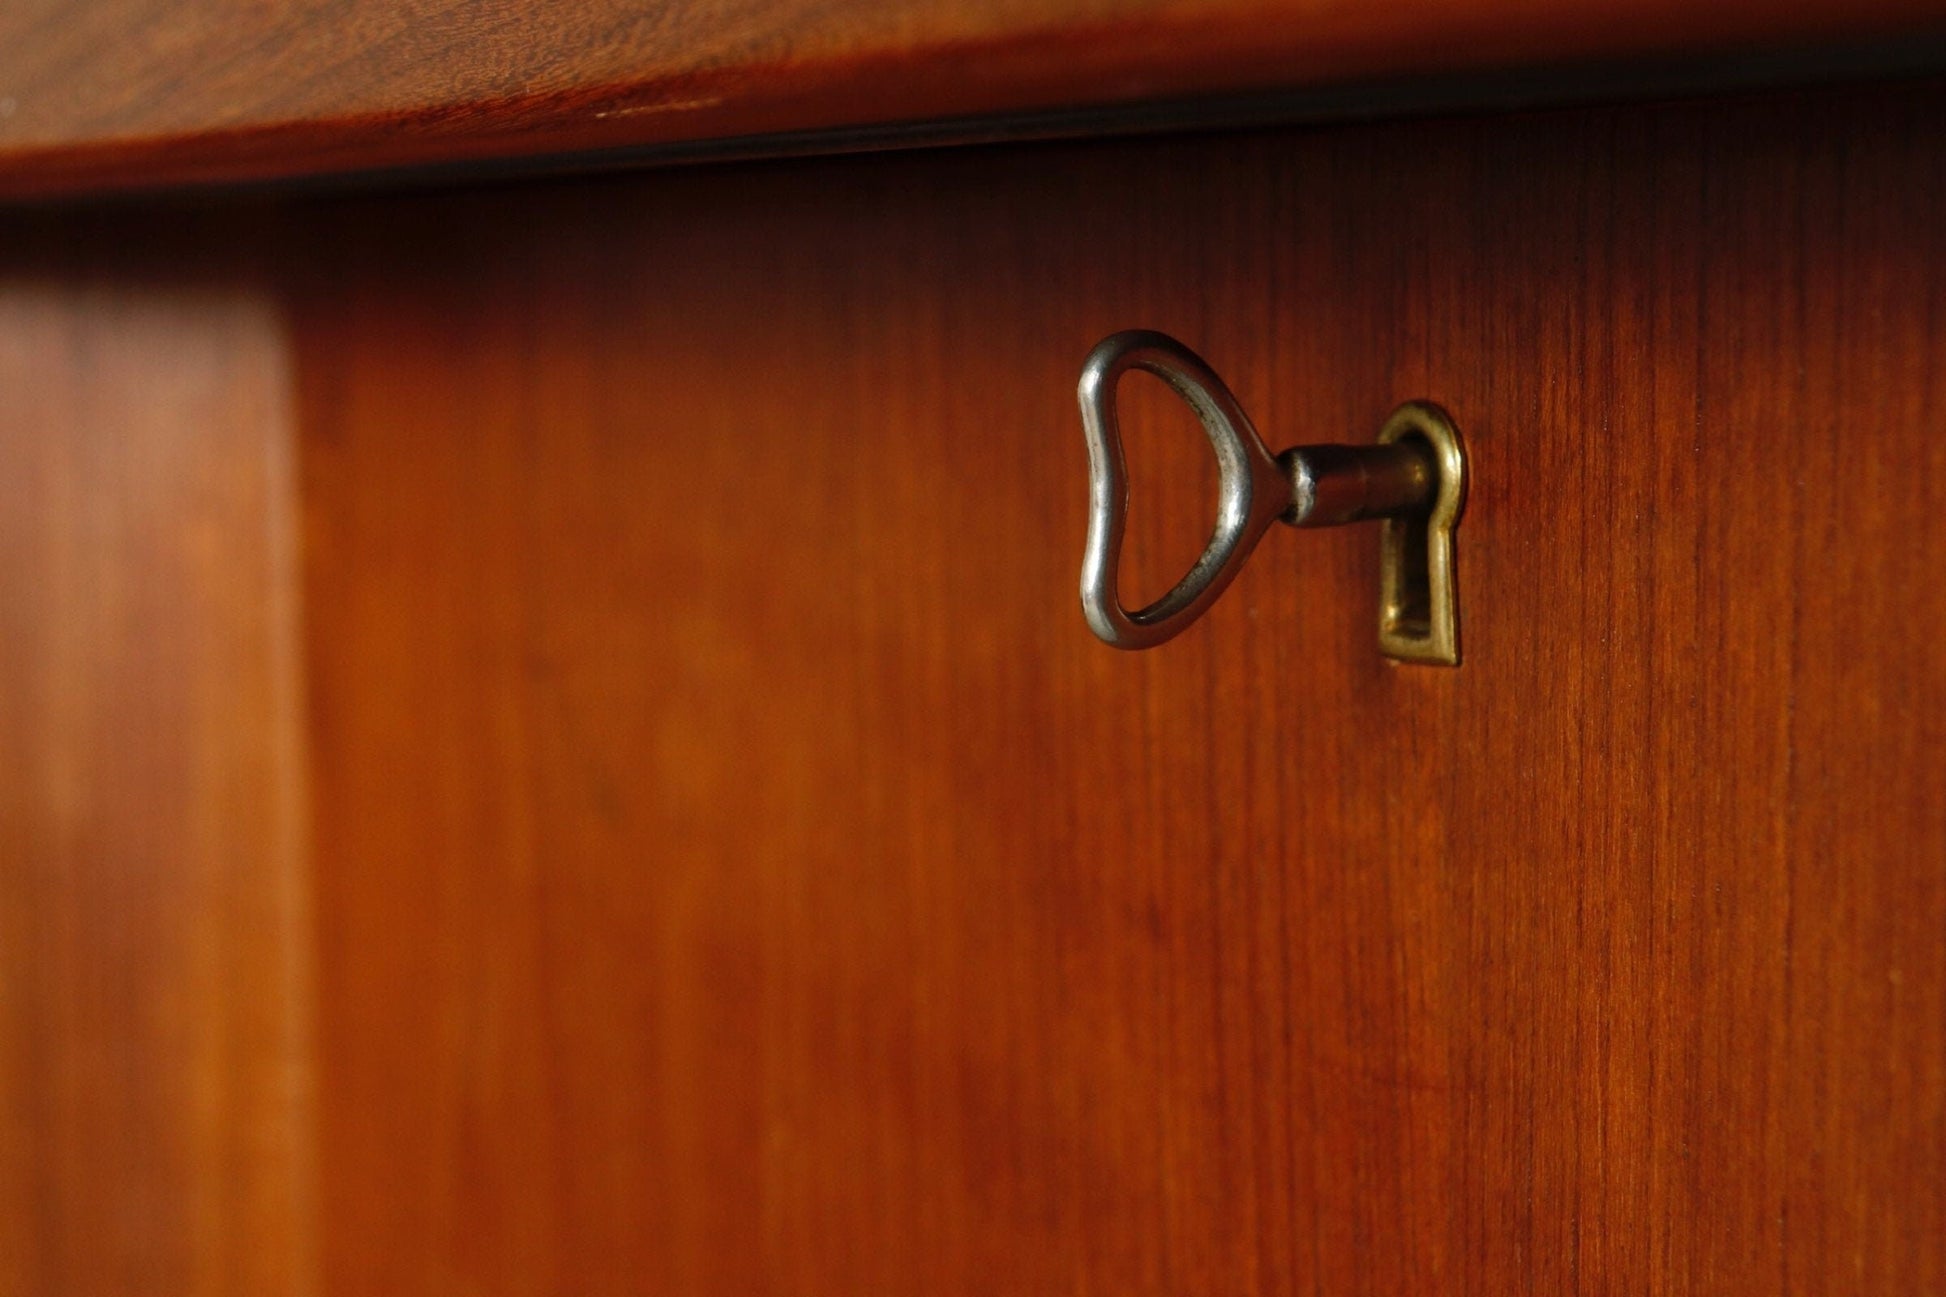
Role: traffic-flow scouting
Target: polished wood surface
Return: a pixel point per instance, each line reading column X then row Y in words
column 155, row 1126
column 114, row 94
column 733, row 867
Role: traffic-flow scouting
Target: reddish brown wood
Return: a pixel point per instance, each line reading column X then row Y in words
column 156, row 1133
column 744, row 873
column 99, row 94
column 734, row 868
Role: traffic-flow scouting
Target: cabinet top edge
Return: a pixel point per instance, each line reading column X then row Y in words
column 106, row 96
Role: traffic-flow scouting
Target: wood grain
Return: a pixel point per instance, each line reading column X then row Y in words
column 114, row 94
column 745, row 873
column 154, row 1122
column 734, row 868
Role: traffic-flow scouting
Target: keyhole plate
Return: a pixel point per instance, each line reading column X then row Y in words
column 1418, row 588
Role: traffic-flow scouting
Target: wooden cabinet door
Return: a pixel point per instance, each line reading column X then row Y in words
column 709, row 854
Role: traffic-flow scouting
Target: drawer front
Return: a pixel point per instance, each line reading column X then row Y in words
column 724, row 861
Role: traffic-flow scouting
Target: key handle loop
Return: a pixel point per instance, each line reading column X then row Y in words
column 1253, row 491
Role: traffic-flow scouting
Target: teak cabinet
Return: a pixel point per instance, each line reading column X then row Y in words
column 547, row 744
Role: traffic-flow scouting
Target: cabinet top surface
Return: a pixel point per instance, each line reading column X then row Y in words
column 116, row 94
